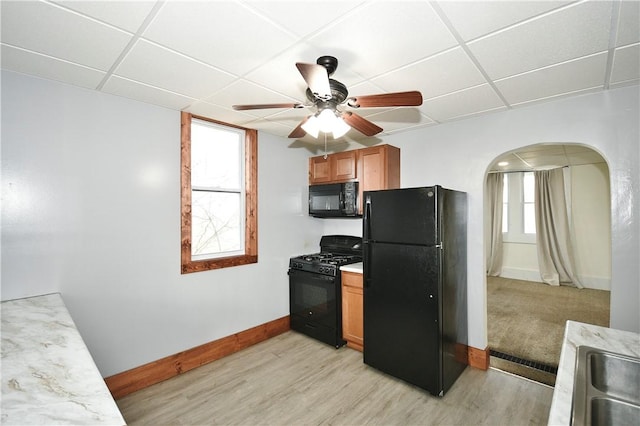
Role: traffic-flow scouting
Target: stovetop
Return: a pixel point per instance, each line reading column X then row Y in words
column 323, row 263
column 335, row 251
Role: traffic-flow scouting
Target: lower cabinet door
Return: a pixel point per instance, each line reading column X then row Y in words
column 352, row 310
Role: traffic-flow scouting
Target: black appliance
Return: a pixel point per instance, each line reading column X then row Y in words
column 315, row 297
column 334, row 200
column 415, row 285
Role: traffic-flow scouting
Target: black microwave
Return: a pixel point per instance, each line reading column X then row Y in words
column 334, row 200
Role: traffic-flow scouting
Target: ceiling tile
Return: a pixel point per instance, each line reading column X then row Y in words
column 133, row 90
column 572, row 76
column 576, row 149
column 223, row 34
column 273, row 128
column 303, row 17
column 219, row 113
column 129, row 15
column 548, row 161
column 171, row 71
column 626, row 64
column 386, row 35
column 544, row 156
column 281, row 75
column 27, row 62
column 242, row 92
column 548, row 150
column 472, row 19
column 50, row 30
column 575, row 31
column 463, row 103
column 398, row 118
column 587, row 157
column 628, row 23
column 443, row 73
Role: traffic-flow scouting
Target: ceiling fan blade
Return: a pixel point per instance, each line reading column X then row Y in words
column 265, row 106
column 299, row 132
column 412, row 98
column 361, row 124
column 317, row 79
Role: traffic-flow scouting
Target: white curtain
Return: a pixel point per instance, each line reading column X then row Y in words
column 495, row 184
column 553, row 237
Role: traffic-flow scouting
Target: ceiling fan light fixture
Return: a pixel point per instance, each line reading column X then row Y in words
column 312, row 126
column 326, row 120
column 340, row 128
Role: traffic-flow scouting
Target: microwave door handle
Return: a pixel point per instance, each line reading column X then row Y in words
column 341, row 200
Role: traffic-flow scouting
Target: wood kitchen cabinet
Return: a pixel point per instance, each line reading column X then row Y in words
column 338, row 167
column 352, row 310
column 378, row 168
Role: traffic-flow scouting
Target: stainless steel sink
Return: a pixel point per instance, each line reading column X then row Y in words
column 606, row 388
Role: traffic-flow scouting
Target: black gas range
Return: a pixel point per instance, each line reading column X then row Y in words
column 315, row 293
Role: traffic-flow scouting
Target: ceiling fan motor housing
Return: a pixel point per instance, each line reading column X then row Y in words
column 329, row 62
column 339, row 93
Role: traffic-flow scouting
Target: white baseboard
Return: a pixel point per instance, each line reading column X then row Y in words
column 521, row 274
column 595, row 283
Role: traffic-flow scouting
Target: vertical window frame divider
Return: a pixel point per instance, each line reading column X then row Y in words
column 251, row 200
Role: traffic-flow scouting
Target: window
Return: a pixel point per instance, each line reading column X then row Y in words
column 218, row 194
column 518, row 208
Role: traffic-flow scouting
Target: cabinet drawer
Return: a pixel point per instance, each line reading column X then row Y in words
column 352, row 279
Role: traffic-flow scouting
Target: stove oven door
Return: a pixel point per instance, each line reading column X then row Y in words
column 314, row 300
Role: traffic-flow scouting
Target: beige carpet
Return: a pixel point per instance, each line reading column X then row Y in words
column 527, row 319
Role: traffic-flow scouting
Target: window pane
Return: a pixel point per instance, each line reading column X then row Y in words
column 215, row 157
column 505, row 189
column 528, row 187
column 216, row 222
column 529, row 218
column 505, row 217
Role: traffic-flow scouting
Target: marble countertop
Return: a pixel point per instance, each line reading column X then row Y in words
column 354, row 267
column 48, row 375
column 579, row 334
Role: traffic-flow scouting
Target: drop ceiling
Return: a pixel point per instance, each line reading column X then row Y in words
column 467, row 58
column 545, row 156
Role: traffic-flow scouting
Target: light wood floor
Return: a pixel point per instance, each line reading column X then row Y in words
column 294, row 380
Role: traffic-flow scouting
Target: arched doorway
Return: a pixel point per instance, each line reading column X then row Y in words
column 525, row 318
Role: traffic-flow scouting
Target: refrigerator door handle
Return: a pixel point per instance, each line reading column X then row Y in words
column 366, row 234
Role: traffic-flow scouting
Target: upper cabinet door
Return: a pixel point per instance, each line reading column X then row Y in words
column 319, row 170
column 339, row 167
column 345, row 165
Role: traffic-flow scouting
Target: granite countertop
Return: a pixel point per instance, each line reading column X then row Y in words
column 48, row 375
column 354, row 267
column 579, row 334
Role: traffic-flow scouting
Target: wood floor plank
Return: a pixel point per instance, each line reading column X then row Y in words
column 292, row 379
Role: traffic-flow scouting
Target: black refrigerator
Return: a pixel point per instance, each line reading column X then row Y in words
column 415, row 285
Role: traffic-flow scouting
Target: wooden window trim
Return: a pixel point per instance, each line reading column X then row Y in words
column 251, row 201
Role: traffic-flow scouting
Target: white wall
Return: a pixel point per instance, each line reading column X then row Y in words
column 591, row 217
column 91, row 209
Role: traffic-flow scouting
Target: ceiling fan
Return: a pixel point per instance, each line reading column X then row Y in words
column 327, row 94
